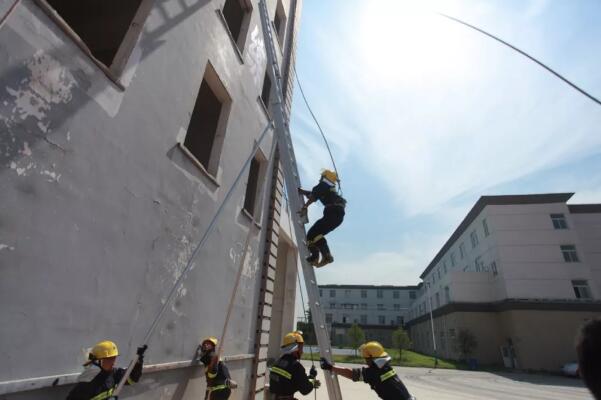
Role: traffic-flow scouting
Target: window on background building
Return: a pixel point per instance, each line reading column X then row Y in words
column 581, row 289
column 206, row 129
column 380, row 306
column 345, row 318
column 493, row 267
column 333, row 305
column 559, row 221
column 109, row 30
column 328, row 318
column 569, row 253
column 396, row 294
column 444, row 267
column 364, row 294
column 364, row 319
column 381, row 320
column 478, row 264
column 412, row 295
column 254, row 185
column 379, row 293
column 462, row 250
column 474, row 239
column 397, row 307
column 347, row 293
column 438, row 273
column 447, row 294
column 453, row 261
column 364, row 306
column 236, row 14
column 433, row 277
column 320, row 292
column 485, row 226
column 437, row 299
column 452, row 333
column 399, row 321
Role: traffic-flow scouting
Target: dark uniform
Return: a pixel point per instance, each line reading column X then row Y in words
column 218, row 377
column 333, row 215
column 102, row 385
column 288, row 376
column 384, row 381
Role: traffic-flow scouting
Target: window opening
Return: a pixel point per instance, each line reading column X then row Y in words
column 569, row 253
column 237, row 18
column 581, row 289
column 559, row 221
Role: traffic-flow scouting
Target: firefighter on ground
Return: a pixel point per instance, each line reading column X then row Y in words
column 333, row 215
column 379, row 375
column 219, row 382
column 100, row 378
column 287, row 375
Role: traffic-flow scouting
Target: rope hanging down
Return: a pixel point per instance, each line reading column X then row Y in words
column 200, row 244
column 557, row 74
column 323, row 135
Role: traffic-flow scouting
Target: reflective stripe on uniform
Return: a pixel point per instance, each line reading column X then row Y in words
column 315, row 239
column 210, row 375
column 281, row 372
column 130, row 381
column 387, row 375
column 218, row 387
column 103, row 395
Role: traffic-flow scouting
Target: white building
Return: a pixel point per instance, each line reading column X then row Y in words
column 377, row 309
column 520, row 272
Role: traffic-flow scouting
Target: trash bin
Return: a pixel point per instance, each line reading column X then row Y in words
column 472, row 363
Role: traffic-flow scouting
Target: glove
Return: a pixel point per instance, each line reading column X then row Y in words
column 140, row 352
column 312, row 372
column 325, row 364
column 303, row 212
column 316, row 384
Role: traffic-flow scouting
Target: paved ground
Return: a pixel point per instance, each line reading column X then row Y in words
column 428, row 384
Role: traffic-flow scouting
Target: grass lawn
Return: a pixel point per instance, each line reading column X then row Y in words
column 410, row 359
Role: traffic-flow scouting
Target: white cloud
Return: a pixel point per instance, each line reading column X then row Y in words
column 445, row 110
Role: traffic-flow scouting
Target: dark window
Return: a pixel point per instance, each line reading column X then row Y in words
column 381, row 319
column 266, row 92
column 202, row 130
column 328, row 318
column 101, row 24
column 412, row 295
column 320, row 292
column 559, row 221
column 581, row 289
column 250, row 198
column 364, row 319
column 279, row 22
column 569, row 253
column 379, row 294
column 399, row 321
column 332, row 293
column 396, row 294
column 235, row 15
column 364, row 294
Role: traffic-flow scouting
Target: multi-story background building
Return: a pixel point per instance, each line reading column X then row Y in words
column 521, row 273
column 123, row 125
column 377, row 309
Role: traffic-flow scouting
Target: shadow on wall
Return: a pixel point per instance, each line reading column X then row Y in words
column 42, row 90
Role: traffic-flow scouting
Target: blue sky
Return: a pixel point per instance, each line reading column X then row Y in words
column 425, row 115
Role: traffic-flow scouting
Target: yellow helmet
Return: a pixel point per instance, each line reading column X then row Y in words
column 104, row 349
column 329, row 175
column 211, row 339
column 292, row 337
column 373, row 350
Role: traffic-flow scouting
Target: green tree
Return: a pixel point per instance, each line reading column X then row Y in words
column 401, row 341
column 466, row 343
column 356, row 337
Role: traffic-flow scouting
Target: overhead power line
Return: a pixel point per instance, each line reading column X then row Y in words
column 557, row 74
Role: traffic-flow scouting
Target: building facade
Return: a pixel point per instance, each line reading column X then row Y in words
column 379, row 310
column 521, row 273
column 123, row 126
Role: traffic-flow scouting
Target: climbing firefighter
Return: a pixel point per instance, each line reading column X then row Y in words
column 94, row 384
column 219, row 382
column 379, row 375
column 287, row 375
column 333, row 215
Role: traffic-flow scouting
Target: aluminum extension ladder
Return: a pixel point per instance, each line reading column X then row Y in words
column 292, row 180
